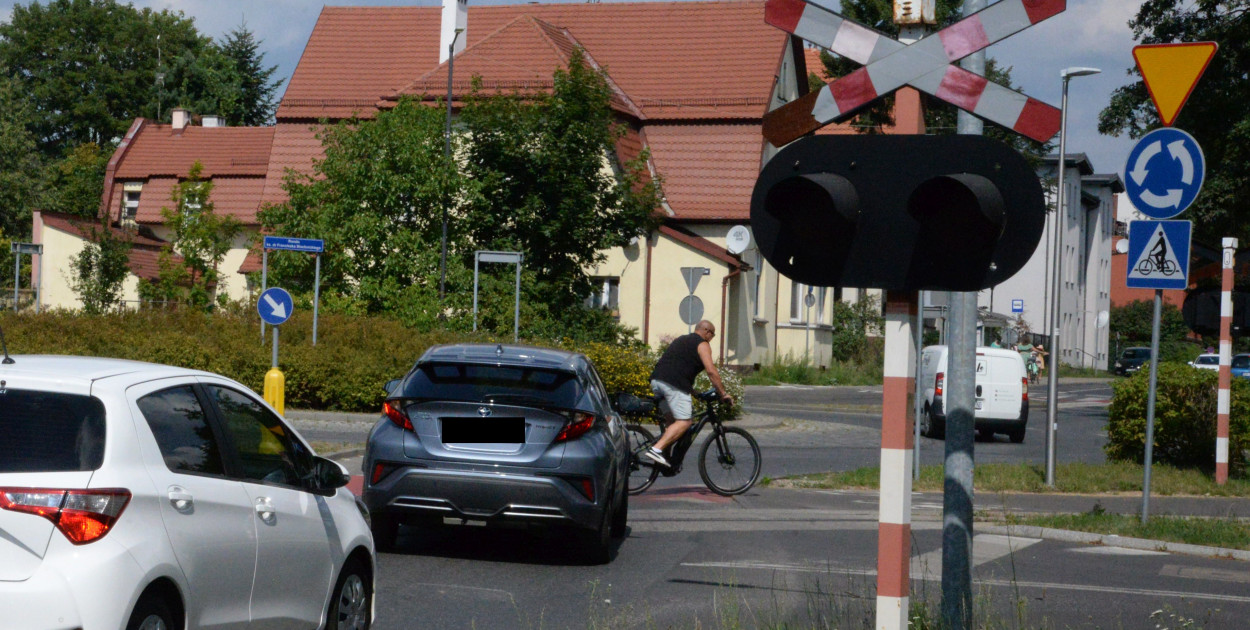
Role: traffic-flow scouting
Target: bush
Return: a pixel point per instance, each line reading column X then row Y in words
column 1185, row 419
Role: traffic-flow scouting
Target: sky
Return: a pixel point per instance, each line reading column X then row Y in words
column 1090, row 33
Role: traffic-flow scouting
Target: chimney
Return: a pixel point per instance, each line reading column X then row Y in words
column 212, row 121
column 455, row 16
column 179, row 117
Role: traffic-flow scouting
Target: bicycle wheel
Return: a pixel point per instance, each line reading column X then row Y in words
column 732, row 466
column 1169, row 268
column 641, row 473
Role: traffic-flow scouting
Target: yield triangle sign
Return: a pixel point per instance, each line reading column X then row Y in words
column 1171, row 71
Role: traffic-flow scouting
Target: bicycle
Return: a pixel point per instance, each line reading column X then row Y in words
column 729, row 451
column 1148, row 266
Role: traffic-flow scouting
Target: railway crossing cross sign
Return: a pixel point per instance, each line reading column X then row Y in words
column 927, row 65
column 1158, row 254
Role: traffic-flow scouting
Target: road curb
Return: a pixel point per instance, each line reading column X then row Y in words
column 1112, row 540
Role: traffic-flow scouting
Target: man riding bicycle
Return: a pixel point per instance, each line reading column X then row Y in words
column 672, row 381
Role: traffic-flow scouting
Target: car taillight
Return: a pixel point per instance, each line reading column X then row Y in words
column 1024, row 382
column 380, row 471
column 83, row 516
column 938, row 383
column 397, row 415
column 577, row 426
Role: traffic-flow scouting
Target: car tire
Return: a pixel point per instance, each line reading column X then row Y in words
column 597, row 543
column 929, row 427
column 1016, row 435
column 352, row 599
column 985, row 435
column 620, row 520
column 385, row 531
column 151, row 613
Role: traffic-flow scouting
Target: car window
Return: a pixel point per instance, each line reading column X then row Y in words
column 50, row 431
column 266, row 450
column 1136, row 354
column 1208, row 360
column 1241, row 361
column 182, row 432
column 493, row 383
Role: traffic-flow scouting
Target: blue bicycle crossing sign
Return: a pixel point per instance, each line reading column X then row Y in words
column 1164, row 172
column 1158, row 254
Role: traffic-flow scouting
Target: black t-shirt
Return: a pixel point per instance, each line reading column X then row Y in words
column 680, row 363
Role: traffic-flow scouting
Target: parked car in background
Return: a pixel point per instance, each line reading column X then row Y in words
column 1131, row 360
column 1001, row 392
column 1241, row 366
column 496, row 435
column 143, row 496
column 1206, row 362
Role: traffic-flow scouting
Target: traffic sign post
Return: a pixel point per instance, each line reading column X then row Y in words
column 314, row 246
column 275, row 306
column 1165, row 172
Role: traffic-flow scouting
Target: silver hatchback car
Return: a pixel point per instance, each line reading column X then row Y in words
column 496, row 435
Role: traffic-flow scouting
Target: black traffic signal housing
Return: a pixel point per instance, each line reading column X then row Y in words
column 1201, row 311
column 955, row 212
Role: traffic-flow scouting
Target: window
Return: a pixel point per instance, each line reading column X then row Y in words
column 130, row 201
column 606, row 295
column 797, row 291
column 821, row 315
column 50, row 431
column 759, row 281
column 182, row 432
column 486, row 383
column 266, row 450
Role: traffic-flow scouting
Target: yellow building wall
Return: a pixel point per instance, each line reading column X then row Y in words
column 59, row 250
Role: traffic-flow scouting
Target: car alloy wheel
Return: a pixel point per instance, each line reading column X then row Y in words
column 350, row 609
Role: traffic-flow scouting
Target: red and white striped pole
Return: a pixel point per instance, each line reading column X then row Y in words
column 1226, row 373
column 894, row 522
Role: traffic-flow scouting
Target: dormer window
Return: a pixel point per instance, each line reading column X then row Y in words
column 130, row 201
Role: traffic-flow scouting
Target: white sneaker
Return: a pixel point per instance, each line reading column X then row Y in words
column 656, row 456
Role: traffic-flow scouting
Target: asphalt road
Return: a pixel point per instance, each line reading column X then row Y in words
column 777, row 557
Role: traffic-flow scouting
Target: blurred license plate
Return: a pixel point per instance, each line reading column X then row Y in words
column 979, row 404
column 483, row 430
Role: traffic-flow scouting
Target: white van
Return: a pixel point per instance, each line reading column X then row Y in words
column 1002, row 393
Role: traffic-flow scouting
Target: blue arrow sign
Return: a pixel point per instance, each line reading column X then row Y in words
column 275, row 306
column 1158, row 254
column 1164, row 173
column 312, row 245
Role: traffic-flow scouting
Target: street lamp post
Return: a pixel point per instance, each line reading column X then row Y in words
column 451, row 67
column 1052, row 379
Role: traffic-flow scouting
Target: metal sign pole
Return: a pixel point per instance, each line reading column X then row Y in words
column 316, row 295
column 17, row 278
column 264, row 284
column 476, row 257
column 275, row 346
column 516, row 312
column 1150, row 406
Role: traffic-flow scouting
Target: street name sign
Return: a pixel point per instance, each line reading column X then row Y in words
column 275, row 306
column 1170, row 72
column 1165, row 171
column 311, row 245
column 1158, row 254
column 927, row 65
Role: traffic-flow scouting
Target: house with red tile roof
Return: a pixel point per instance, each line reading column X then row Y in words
column 691, row 83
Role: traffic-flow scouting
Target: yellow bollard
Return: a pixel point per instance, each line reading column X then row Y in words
column 275, row 389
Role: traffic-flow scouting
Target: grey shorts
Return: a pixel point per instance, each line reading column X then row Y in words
column 673, row 402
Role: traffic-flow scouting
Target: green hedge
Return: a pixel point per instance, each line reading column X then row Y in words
column 354, row 356
column 1185, row 419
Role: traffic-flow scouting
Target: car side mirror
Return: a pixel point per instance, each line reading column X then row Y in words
column 391, row 385
column 329, row 475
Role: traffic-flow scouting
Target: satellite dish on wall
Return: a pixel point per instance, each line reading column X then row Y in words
column 1104, row 318
column 738, row 239
column 1121, row 246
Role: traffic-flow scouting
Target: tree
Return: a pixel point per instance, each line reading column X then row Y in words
column 1131, row 325
column 545, row 189
column 377, row 201
column 940, row 116
column 75, row 181
column 20, row 166
column 257, row 85
column 99, row 271
column 1215, row 113
column 201, row 238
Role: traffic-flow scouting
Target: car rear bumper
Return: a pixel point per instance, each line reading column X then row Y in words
column 496, row 498
column 90, row 588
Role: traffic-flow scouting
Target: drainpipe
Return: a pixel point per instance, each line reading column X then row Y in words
column 724, row 293
column 646, row 297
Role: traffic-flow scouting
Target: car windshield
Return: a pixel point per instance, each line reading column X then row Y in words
column 494, row 384
column 1134, row 353
column 1208, row 359
column 1241, row 361
column 50, row 432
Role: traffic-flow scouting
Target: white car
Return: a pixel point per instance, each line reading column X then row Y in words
column 1001, row 390
column 150, row 497
column 1206, row 362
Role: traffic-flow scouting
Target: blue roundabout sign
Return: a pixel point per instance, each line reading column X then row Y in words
column 1164, row 173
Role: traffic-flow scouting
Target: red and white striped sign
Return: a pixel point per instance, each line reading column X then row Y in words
column 927, row 65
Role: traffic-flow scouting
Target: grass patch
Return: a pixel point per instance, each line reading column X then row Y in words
column 1226, row 533
column 1076, row 478
column 798, row 371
